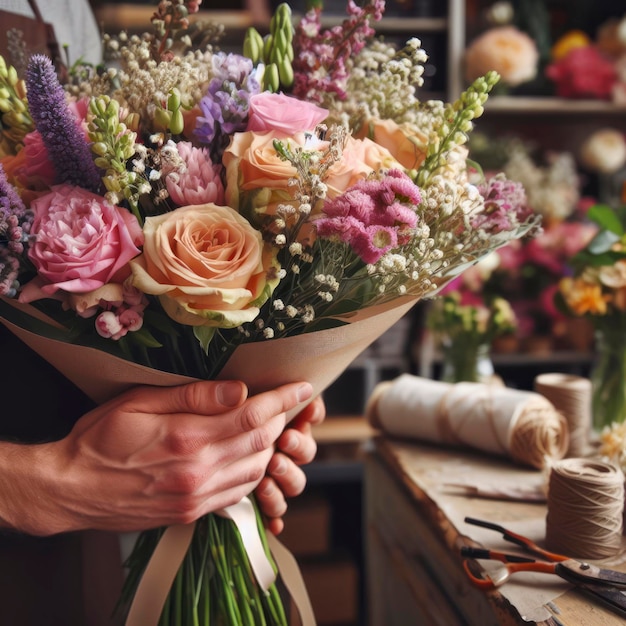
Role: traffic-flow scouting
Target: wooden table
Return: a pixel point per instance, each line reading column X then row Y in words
column 415, row 529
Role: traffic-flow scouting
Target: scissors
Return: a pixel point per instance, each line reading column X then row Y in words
column 605, row 585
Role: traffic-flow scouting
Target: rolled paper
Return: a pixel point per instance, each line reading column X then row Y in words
column 499, row 420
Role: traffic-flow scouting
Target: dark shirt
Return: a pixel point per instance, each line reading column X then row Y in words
column 67, row 579
column 38, row 403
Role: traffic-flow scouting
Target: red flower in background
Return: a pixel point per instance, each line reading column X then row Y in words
column 583, row 72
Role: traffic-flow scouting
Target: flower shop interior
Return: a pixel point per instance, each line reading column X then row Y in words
column 378, row 530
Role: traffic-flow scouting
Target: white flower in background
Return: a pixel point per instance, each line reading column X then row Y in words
column 604, row 151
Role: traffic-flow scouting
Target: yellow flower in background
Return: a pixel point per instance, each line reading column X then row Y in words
column 570, row 40
column 583, row 297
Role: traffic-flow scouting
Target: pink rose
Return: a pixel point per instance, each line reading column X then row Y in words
column 207, row 264
column 283, row 114
column 37, row 166
column 81, row 241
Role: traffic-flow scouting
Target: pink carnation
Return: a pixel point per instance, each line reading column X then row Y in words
column 197, row 181
column 583, row 72
column 373, row 216
column 81, row 242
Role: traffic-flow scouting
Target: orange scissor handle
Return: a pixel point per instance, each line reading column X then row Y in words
column 502, row 574
column 519, row 540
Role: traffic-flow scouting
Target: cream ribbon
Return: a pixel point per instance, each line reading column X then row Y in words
column 161, row 570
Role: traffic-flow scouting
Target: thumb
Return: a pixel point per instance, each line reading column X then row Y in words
column 204, row 397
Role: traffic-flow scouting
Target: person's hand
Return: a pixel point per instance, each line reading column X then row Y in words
column 151, row 457
column 296, row 446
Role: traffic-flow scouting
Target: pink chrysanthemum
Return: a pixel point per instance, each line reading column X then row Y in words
column 374, row 216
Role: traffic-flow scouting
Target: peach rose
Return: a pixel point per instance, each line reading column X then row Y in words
column 505, row 49
column 283, row 114
column 253, row 165
column 207, row 265
column 406, row 143
column 360, row 158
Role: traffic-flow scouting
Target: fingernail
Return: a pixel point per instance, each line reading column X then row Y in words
column 281, row 467
column 229, row 393
column 268, row 490
column 305, row 391
column 291, row 443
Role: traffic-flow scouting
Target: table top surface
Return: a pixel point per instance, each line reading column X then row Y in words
column 443, row 482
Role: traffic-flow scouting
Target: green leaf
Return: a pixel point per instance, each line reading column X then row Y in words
column 144, row 338
column 607, row 218
column 204, row 334
column 603, row 242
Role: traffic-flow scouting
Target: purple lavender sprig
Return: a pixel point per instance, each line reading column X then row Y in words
column 15, row 224
column 66, row 145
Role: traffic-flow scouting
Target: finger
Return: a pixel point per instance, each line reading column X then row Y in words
column 289, row 478
column 312, row 415
column 275, row 525
column 200, row 398
column 270, row 498
column 280, row 400
column 300, row 446
column 188, row 434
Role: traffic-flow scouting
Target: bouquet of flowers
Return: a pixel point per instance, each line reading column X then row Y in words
column 183, row 211
column 596, row 291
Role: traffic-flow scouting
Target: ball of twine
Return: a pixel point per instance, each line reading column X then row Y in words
column 585, row 506
column 571, row 396
column 539, row 434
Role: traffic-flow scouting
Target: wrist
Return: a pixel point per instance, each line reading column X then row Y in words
column 29, row 489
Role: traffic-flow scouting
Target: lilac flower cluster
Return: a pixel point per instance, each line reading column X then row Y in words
column 324, row 60
column 67, row 148
column 15, row 223
column 374, row 216
column 225, row 105
column 506, row 205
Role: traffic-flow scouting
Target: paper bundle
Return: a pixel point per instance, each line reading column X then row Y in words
column 507, row 422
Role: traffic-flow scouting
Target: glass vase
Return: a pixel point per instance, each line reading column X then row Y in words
column 464, row 361
column 608, row 378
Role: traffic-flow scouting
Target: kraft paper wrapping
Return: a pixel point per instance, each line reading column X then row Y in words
column 494, row 419
column 319, row 358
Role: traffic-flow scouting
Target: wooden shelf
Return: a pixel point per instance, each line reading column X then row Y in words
column 530, row 105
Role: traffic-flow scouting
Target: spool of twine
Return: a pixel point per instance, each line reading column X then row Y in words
column 539, row 434
column 571, row 396
column 585, row 505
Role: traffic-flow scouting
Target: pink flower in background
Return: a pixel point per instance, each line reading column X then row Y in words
column 81, row 242
column 195, row 179
column 583, row 72
column 283, row 114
